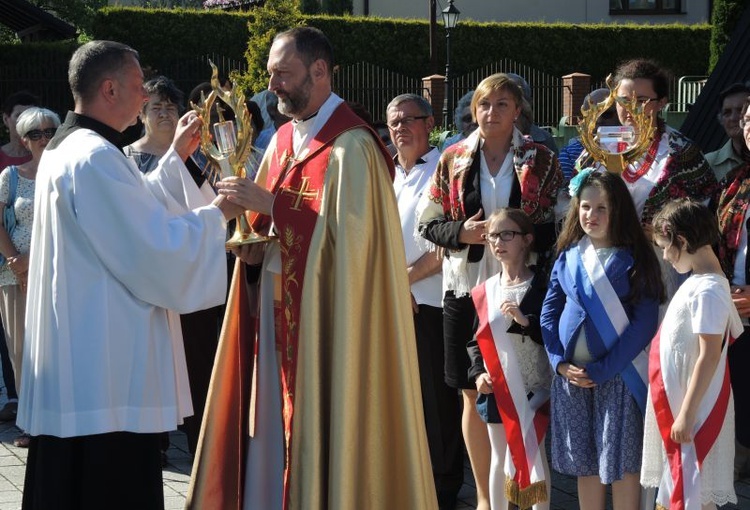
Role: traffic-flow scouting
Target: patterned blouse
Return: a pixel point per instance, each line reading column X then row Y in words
column 24, row 205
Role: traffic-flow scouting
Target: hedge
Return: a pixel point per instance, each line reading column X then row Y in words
column 402, row 45
column 170, row 39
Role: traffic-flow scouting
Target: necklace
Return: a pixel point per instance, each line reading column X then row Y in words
column 631, row 175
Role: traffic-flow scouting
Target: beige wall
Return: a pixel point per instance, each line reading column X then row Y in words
column 571, row 11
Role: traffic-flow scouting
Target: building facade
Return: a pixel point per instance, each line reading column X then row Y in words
column 549, row 11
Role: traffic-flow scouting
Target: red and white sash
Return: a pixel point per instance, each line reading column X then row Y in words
column 680, row 487
column 524, row 423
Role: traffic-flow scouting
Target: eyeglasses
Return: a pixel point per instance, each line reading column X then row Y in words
column 406, row 121
column 744, row 122
column 503, row 235
column 36, row 134
column 641, row 100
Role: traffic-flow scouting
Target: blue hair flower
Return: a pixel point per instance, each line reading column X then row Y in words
column 577, row 182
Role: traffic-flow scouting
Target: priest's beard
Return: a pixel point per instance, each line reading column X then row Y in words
column 294, row 101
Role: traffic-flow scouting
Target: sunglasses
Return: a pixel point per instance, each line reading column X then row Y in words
column 36, row 134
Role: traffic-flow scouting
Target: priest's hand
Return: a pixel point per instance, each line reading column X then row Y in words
column 187, row 136
column 246, row 193
column 484, row 383
column 251, row 254
column 473, row 229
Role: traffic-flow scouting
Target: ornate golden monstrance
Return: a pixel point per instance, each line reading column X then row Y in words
column 227, row 144
column 615, row 147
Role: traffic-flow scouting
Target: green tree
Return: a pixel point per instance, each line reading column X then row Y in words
column 724, row 19
column 265, row 22
column 7, row 36
column 79, row 13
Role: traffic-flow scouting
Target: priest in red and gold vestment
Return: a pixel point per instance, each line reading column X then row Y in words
column 315, row 399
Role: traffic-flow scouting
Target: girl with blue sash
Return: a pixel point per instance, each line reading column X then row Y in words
column 599, row 315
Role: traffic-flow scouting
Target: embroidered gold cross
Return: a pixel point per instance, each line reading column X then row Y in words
column 302, row 193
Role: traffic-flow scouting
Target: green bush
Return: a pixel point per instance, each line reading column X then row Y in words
column 724, row 18
column 160, row 35
column 275, row 16
column 559, row 49
column 177, row 42
column 402, row 45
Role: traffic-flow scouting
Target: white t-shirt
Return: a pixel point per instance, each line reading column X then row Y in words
column 409, row 189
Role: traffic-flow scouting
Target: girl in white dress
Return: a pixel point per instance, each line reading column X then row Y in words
column 689, row 433
column 509, row 365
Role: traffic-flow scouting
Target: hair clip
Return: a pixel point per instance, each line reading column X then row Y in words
column 577, row 182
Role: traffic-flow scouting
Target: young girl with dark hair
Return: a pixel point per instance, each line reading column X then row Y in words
column 689, row 434
column 600, row 313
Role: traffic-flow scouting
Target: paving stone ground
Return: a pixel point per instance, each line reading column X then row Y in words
column 177, row 477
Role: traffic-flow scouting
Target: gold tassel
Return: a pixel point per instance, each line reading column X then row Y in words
column 528, row 497
column 660, row 507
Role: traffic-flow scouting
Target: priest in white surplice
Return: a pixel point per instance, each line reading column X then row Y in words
column 111, row 252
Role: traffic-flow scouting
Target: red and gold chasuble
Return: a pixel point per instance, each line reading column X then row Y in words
column 345, row 335
column 298, row 185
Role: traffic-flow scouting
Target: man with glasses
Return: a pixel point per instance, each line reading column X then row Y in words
column 409, row 119
column 730, row 155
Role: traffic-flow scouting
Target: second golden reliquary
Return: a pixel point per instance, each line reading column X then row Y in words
column 227, row 144
column 615, row 147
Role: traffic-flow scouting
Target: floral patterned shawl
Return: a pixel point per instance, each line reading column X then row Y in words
column 731, row 210
column 538, row 174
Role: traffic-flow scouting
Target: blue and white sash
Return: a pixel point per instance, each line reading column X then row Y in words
column 605, row 310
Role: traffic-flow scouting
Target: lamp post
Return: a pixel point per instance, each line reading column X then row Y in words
column 450, row 19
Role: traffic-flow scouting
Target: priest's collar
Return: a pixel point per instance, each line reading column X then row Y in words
column 312, row 115
column 304, row 131
column 75, row 121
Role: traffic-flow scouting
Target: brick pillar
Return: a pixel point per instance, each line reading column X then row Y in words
column 433, row 90
column 576, row 87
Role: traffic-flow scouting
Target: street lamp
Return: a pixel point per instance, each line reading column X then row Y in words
column 450, row 19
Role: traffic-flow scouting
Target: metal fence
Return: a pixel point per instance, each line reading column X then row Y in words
column 367, row 84
column 46, row 76
column 187, row 73
column 372, row 86
column 546, row 88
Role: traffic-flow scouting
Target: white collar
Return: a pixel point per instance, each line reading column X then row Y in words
column 305, row 130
